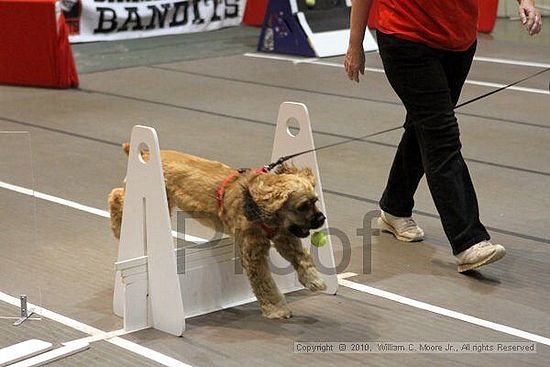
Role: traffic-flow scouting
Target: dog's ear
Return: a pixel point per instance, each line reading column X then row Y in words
column 307, row 173
column 266, row 194
column 291, row 169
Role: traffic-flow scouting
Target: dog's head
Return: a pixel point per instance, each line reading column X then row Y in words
column 285, row 198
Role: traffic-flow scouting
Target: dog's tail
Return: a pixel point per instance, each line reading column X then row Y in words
column 116, row 204
column 144, row 153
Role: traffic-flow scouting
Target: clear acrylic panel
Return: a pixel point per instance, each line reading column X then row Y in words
column 18, row 223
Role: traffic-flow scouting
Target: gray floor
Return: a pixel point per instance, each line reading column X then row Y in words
column 204, row 97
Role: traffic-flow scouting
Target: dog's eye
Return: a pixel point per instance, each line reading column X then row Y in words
column 304, row 206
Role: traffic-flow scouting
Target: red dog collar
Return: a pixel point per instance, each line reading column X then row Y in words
column 220, row 191
column 269, row 231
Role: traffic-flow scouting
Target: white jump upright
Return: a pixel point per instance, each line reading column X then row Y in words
column 286, row 143
column 158, row 285
column 147, row 288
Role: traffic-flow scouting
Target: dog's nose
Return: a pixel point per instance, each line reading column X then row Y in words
column 318, row 220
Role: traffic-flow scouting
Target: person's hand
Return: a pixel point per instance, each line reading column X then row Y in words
column 355, row 62
column 530, row 16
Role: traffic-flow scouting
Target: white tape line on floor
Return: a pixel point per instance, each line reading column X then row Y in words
column 148, row 353
column 104, row 336
column 97, row 334
column 54, row 199
column 495, row 60
column 512, row 62
column 81, row 207
column 77, row 325
column 442, row 311
column 342, row 281
column 377, row 70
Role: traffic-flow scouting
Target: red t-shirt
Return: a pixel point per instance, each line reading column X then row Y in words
column 443, row 24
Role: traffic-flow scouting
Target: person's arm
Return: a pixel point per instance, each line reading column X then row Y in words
column 355, row 57
column 530, row 16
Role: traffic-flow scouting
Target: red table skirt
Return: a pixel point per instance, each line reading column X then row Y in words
column 255, row 12
column 34, row 46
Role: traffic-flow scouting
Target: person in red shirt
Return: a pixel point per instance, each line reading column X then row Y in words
column 427, row 48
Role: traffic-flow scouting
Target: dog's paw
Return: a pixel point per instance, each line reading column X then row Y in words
column 277, row 312
column 312, row 280
column 316, row 284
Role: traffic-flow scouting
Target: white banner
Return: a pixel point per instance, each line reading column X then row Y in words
column 107, row 20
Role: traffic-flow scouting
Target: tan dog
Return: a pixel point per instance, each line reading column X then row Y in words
column 257, row 208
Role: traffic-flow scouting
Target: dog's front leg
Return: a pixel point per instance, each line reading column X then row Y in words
column 254, row 257
column 292, row 250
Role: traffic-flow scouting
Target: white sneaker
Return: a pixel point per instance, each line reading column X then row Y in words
column 481, row 253
column 403, row 228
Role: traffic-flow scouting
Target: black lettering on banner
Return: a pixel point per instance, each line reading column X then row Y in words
column 133, row 17
column 231, row 8
column 215, row 16
column 184, row 5
column 108, row 18
column 196, row 13
column 111, row 21
column 158, row 14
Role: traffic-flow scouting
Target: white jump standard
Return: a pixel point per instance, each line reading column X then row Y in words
column 149, row 292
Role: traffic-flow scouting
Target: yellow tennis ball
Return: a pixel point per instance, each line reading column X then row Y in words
column 310, row 3
column 319, row 239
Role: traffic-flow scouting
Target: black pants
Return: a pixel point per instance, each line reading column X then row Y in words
column 428, row 81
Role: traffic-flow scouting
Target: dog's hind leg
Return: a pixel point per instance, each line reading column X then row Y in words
column 292, row 250
column 116, row 204
column 254, row 257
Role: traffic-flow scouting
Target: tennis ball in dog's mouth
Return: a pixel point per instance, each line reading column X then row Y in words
column 319, row 239
column 310, row 3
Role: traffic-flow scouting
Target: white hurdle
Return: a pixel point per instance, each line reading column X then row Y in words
column 147, row 289
column 287, row 143
column 149, row 292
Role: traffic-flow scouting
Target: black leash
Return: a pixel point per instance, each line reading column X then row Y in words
column 285, row 158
